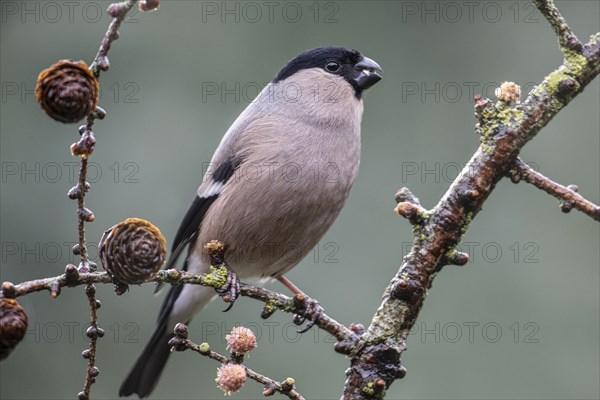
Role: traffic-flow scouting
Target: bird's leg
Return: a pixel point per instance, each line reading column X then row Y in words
column 230, row 291
column 288, row 284
column 312, row 309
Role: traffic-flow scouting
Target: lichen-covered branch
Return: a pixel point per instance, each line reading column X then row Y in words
column 568, row 196
column 566, row 37
column 504, row 130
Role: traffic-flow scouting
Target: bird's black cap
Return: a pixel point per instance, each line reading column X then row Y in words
column 351, row 65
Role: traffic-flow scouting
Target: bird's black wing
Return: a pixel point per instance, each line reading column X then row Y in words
column 190, row 225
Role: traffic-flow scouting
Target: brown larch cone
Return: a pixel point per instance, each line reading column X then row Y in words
column 13, row 325
column 132, row 251
column 67, row 91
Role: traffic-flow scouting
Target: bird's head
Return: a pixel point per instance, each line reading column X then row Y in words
column 359, row 71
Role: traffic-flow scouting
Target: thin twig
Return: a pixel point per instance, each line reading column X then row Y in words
column 562, row 193
column 273, row 300
column 268, row 382
column 39, row 285
column 92, row 333
column 118, row 11
column 85, row 266
column 80, row 207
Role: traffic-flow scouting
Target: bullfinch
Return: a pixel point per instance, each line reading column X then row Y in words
column 275, row 184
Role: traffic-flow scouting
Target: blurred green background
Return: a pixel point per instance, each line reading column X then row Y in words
column 521, row 320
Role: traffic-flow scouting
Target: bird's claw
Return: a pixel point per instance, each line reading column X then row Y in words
column 230, row 291
column 310, row 310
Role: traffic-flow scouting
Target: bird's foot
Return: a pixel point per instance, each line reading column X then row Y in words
column 230, row 291
column 309, row 310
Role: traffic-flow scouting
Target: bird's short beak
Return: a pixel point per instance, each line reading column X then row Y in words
column 367, row 73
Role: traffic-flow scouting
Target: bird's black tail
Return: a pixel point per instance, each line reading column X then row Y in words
column 144, row 375
column 146, row 371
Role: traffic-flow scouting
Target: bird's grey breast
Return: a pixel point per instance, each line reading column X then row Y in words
column 299, row 158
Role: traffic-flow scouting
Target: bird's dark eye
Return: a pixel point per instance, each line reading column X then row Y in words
column 332, row 66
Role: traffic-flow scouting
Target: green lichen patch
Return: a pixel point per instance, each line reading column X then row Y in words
column 573, row 66
column 502, row 114
column 511, row 116
column 465, row 227
column 550, row 84
column 369, row 389
column 575, row 61
column 488, row 113
column 272, row 305
column 216, row 277
column 451, row 254
column 487, row 148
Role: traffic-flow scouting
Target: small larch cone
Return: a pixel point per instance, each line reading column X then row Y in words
column 13, row 325
column 231, row 378
column 509, row 92
column 132, row 251
column 241, row 340
column 67, row 91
